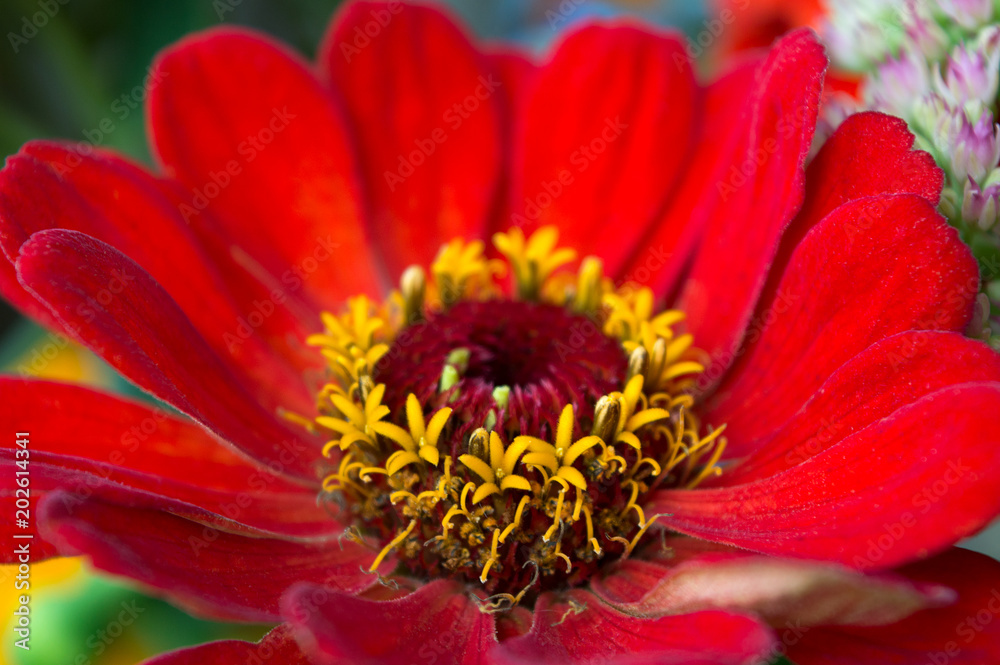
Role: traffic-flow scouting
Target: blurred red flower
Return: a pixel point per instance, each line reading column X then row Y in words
column 752, row 24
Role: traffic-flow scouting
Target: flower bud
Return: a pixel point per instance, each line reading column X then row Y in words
column 413, row 287
column 974, row 149
column 979, row 205
column 898, row 82
column 972, row 71
column 861, row 33
column 923, row 33
column 638, row 363
column 479, row 444
column 607, row 412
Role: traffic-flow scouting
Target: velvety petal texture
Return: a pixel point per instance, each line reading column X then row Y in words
column 266, row 149
column 870, row 154
column 593, row 174
column 575, row 627
column 662, row 258
column 438, row 622
column 425, row 109
column 964, row 633
column 872, row 501
column 690, row 576
column 100, row 445
column 207, row 570
column 764, row 183
column 889, row 264
column 886, row 376
column 140, row 330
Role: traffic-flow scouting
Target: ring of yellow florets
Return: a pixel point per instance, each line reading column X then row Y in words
column 515, row 510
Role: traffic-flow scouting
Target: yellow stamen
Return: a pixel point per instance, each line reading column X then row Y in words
column 297, row 419
column 492, row 558
column 632, row 505
column 392, row 545
column 575, row 607
column 569, row 563
column 365, row 473
column 397, row 455
column 557, row 517
column 578, row 505
column 642, row 531
column 461, row 272
column 401, row 494
column 710, row 468
column 649, row 461
column 517, row 519
column 532, row 261
column 413, row 287
column 589, row 287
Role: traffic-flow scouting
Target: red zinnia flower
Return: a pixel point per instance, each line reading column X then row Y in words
column 491, row 459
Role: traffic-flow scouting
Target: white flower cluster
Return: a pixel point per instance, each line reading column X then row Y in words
column 936, row 64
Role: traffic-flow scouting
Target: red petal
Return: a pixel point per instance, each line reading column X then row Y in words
column 663, row 256
column 277, row 646
column 204, row 569
column 51, row 186
column 869, row 154
column 887, row 375
column 255, row 137
column 904, row 487
column 872, row 268
column 120, row 312
column 436, row 623
column 689, row 577
column 756, row 197
column 604, row 175
column 101, row 445
column 517, row 75
column 966, row 633
column 576, row 627
column 425, row 111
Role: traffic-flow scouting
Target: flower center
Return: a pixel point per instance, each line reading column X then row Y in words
column 531, row 357
column 507, row 440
